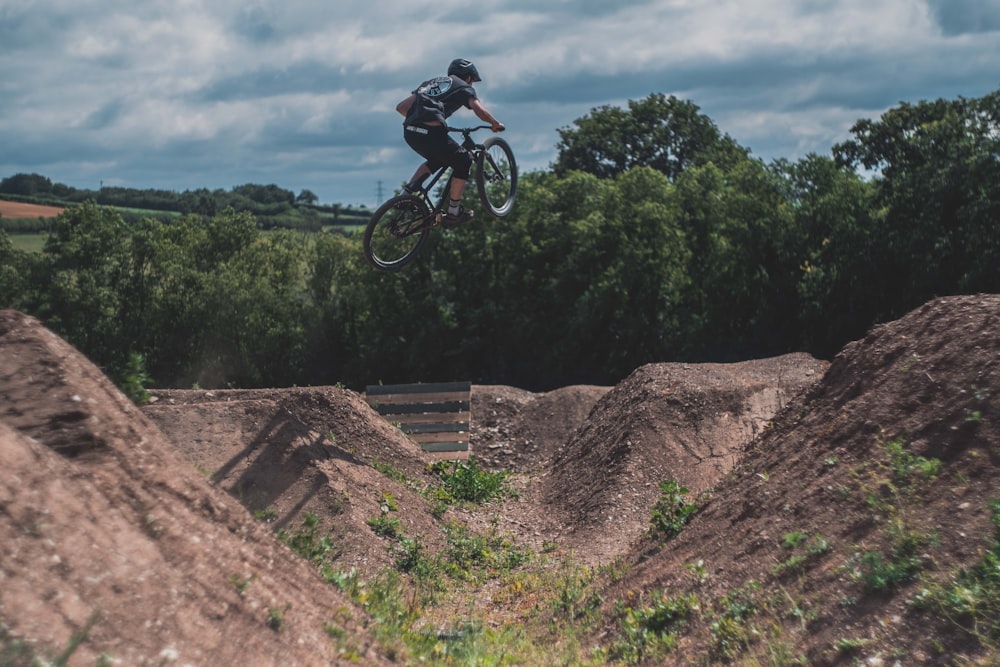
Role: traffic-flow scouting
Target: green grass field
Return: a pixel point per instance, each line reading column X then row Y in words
column 29, row 242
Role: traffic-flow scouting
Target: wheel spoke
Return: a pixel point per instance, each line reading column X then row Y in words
column 497, row 177
column 396, row 232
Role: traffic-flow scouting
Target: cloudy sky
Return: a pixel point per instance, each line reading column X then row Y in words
column 183, row 94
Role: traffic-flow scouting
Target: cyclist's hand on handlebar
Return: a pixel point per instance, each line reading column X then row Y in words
column 498, row 127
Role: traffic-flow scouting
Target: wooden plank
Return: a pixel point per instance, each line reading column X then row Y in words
column 437, row 427
column 437, row 416
column 437, row 437
column 451, row 456
column 431, row 418
column 418, row 399
column 418, row 408
column 418, row 388
column 436, row 447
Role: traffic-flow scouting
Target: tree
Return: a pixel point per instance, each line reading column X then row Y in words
column 10, row 274
column 82, row 283
column 265, row 194
column 938, row 180
column 833, row 245
column 27, row 185
column 307, row 197
column 664, row 133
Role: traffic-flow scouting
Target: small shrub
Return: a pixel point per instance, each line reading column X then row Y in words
column 135, row 379
column 732, row 632
column 904, row 562
column 804, row 549
column 971, row 599
column 307, row 541
column 466, row 481
column 908, row 468
column 275, row 618
column 650, row 631
column 386, row 526
column 266, row 514
column 672, row 512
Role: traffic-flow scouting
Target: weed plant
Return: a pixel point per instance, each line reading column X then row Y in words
column 672, row 512
column 465, row 481
column 971, row 599
column 649, row 631
column 307, row 540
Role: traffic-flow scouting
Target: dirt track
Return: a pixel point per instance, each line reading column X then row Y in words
column 102, row 509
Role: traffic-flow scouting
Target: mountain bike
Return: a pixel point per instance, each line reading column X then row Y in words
column 400, row 227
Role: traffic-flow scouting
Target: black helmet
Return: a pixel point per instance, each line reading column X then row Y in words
column 462, row 68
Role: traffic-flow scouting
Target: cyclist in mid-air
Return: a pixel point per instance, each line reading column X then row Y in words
column 425, row 130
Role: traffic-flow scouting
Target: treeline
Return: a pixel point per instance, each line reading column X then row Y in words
column 272, row 205
column 654, row 237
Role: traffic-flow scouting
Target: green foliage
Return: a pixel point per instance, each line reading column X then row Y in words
column 733, row 630
column 901, row 565
column 804, row 548
column 647, row 632
column 26, row 184
column 909, row 469
column 971, row 598
column 136, row 379
column 671, row 511
column 654, row 238
column 664, row 133
column 308, row 540
column 465, row 481
column 938, row 189
column 386, row 526
column 469, row 552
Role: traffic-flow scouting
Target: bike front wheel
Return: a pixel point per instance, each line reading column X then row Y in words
column 496, row 176
column 396, row 232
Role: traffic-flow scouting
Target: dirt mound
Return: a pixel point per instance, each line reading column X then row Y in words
column 847, row 472
column 106, row 528
column 521, row 431
column 103, row 516
column 292, row 452
column 688, row 422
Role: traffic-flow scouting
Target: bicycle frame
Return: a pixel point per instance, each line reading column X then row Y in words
column 400, row 226
column 424, row 191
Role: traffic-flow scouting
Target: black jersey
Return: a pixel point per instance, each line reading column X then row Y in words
column 439, row 98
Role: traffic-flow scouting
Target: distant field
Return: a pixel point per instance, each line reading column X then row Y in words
column 29, row 242
column 14, row 210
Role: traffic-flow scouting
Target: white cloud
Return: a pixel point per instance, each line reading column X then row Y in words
column 184, row 94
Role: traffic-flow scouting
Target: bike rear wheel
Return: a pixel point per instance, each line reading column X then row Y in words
column 396, row 232
column 496, row 176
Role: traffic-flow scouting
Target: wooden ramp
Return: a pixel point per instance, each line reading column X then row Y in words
column 436, row 415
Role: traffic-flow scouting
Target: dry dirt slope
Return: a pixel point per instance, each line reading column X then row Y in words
column 841, row 465
column 103, row 523
column 586, row 459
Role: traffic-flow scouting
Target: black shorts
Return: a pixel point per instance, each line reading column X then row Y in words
column 438, row 148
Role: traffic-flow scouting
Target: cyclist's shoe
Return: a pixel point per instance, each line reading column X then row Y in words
column 456, row 219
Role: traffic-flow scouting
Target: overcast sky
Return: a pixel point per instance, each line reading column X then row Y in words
column 183, row 94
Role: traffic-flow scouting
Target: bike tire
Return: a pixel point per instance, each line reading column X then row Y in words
column 396, row 232
column 496, row 177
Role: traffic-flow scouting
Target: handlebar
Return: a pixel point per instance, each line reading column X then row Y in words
column 469, row 130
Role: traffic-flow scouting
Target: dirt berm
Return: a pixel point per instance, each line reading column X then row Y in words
column 135, row 520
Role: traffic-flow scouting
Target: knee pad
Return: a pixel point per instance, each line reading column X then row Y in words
column 462, row 165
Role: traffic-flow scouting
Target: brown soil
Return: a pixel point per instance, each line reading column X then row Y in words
column 102, row 511
column 19, row 210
